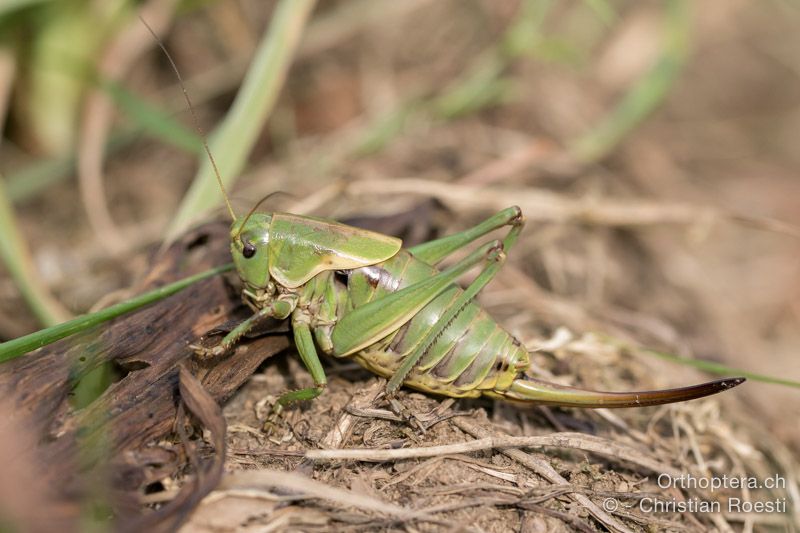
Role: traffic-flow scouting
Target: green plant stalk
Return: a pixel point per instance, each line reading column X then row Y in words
column 233, row 140
column 17, row 259
column 646, row 94
column 22, row 345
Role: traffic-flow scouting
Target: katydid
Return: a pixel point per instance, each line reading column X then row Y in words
column 354, row 293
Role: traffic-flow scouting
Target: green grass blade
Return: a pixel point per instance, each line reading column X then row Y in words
column 483, row 84
column 701, row 364
column 9, row 6
column 152, row 120
column 482, row 89
column 232, row 141
column 38, row 175
column 525, row 33
column 22, row 345
column 603, row 9
column 723, row 370
column 17, row 259
column 384, row 129
column 646, row 94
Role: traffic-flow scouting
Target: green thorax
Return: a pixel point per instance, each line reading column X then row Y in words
column 292, row 249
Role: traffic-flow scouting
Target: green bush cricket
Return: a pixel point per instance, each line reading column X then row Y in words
column 353, row 293
column 349, row 292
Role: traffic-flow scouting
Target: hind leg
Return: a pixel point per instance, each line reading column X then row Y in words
column 495, row 261
column 433, row 252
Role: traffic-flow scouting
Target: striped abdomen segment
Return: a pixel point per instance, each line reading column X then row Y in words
column 471, row 355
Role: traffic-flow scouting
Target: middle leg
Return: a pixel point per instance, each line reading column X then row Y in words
column 308, row 354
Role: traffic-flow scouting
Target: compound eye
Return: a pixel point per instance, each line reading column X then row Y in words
column 248, row 250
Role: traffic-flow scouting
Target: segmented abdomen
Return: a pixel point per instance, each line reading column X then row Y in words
column 471, row 355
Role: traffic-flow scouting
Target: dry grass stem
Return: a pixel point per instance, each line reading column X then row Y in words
column 578, row 441
column 540, row 205
column 98, row 111
column 303, row 487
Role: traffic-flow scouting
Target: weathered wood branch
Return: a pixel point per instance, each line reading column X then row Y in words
column 108, row 439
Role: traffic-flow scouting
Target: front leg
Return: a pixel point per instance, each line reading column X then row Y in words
column 279, row 308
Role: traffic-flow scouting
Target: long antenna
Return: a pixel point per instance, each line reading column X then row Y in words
column 253, row 210
column 194, row 116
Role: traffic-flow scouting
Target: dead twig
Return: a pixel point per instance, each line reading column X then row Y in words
column 577, row 441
